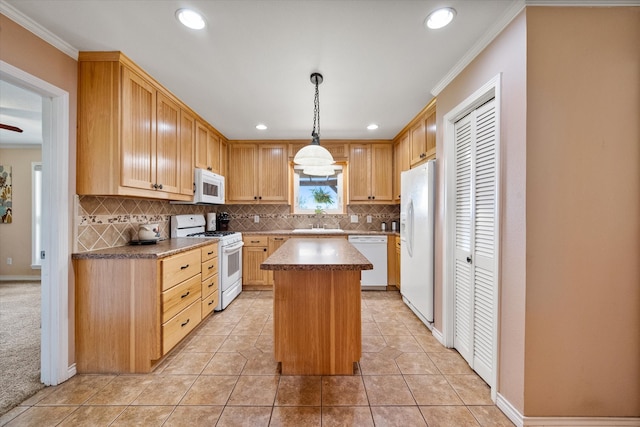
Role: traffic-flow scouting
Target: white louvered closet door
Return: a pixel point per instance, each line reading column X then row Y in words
column 474, row 277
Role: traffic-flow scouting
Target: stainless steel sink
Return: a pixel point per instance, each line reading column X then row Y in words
column 318, row 230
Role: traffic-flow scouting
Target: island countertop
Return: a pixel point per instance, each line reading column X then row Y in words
column 316, row 254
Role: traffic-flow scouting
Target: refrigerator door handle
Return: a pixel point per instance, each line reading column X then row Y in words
column 410, row 233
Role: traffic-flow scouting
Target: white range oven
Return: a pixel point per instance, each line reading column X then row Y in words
column 229, row 253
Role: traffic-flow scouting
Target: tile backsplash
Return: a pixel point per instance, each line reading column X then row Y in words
column 103, row 222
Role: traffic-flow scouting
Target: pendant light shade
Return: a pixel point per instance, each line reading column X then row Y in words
column 314, row 154
column 323, row 170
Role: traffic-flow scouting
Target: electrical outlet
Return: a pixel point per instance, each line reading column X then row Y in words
column 369, row 219
column 9, row 261
column 256, row 218
column 354, row 219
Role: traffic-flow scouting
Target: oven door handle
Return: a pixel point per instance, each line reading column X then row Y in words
column 229, row 249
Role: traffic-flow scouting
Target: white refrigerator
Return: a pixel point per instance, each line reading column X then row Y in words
column 417, row 205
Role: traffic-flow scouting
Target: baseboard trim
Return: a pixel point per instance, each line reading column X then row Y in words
column 438, row 335
column 521, row 421
column 20, row 278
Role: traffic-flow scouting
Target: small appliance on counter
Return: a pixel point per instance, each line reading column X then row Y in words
column 223, row 221
column 147, row 234
column 211, row 222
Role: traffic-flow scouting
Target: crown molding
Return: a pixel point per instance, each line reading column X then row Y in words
column 37, row 29
column 480, row 45
column 506, row 19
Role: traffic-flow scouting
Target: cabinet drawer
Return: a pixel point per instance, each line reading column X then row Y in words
column 256, row 241
column 180, row 296
column 209, row 304
column 209, row 268
column 209, row 285
column 180, row 267
column 208, row 252
column 180, row 325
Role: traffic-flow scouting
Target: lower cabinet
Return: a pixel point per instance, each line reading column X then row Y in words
column 130, row 312
column 209, row 284
column 398, row 261
column 254, row 252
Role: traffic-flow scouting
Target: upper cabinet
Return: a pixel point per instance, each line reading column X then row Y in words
column 423, row 136
column 207, row 148
column 370, row 169
column 259, row 173
column 134, row 137
column 414, row 145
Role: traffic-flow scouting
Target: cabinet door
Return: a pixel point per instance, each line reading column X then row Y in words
column 359, row 172
column 381, row 171
column 202, row 139
column 223, row 157
column 274, row 243
column 213, row 152
column 430, row 131
column 242, row 182
column 273, row 173
column 401, row 158
column 138, row 131
column 252, row 257
column 418, row 143
column 167, row 145
column 187, row 140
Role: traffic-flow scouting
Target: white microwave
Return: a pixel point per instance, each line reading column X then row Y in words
column 208, row 187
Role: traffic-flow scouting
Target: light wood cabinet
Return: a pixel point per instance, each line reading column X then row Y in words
column 370, row 169
column 274, row 243
column 207, row 153
column 130, row 312
column 259, row 173
column 338, row 150
column 209, row 285
column 401, row 163
column 254, row 252
column 423, row 136
column 129, row 132
column 397, row 252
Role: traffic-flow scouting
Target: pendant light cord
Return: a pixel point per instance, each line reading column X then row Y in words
column 316, row 116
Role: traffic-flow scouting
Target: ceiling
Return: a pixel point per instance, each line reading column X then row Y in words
column 21, row 108
column 252, row 62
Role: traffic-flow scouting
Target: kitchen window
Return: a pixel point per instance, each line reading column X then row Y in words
column 318, row 194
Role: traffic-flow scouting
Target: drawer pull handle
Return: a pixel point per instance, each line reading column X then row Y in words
column 255, row 241
column 185, row 323
column 210, row 253
column 211, row 302
column 212, row 266
column 184, row 266
column 210, row 284
column 186, row 295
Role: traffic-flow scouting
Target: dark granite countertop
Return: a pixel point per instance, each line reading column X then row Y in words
column 162, row 249
column 316, row 254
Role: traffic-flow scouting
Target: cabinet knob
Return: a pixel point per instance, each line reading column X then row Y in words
column 160, row 186
column 265, row 249
column 259, row 197
column 255, row 197
column 209, row 168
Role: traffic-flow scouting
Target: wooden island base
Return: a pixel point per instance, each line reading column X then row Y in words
column 317, row 321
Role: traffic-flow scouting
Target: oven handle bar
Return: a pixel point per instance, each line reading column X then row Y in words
column 229, row 249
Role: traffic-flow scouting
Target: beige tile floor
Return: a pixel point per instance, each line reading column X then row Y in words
column 224, row 374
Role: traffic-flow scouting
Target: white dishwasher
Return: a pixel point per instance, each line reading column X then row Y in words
column 374, row 248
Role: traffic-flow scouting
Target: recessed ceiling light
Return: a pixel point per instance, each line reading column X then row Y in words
column 261, row 126
column 190, row 19
column 372, row 126
column 440, row 18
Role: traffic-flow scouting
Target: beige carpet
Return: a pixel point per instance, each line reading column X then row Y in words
column 19, row 342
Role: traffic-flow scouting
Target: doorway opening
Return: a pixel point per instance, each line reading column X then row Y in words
column 55, row 328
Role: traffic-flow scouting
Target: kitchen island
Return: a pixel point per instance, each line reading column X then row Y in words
column 316, row 305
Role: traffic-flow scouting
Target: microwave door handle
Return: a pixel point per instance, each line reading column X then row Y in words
column 233, row 248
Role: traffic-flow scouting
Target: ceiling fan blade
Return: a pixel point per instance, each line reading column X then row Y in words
column 9, row 127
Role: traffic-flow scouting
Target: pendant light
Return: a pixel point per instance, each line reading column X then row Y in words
column 314, row 154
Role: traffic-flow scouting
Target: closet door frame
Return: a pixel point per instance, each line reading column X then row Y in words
column 489, row 90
